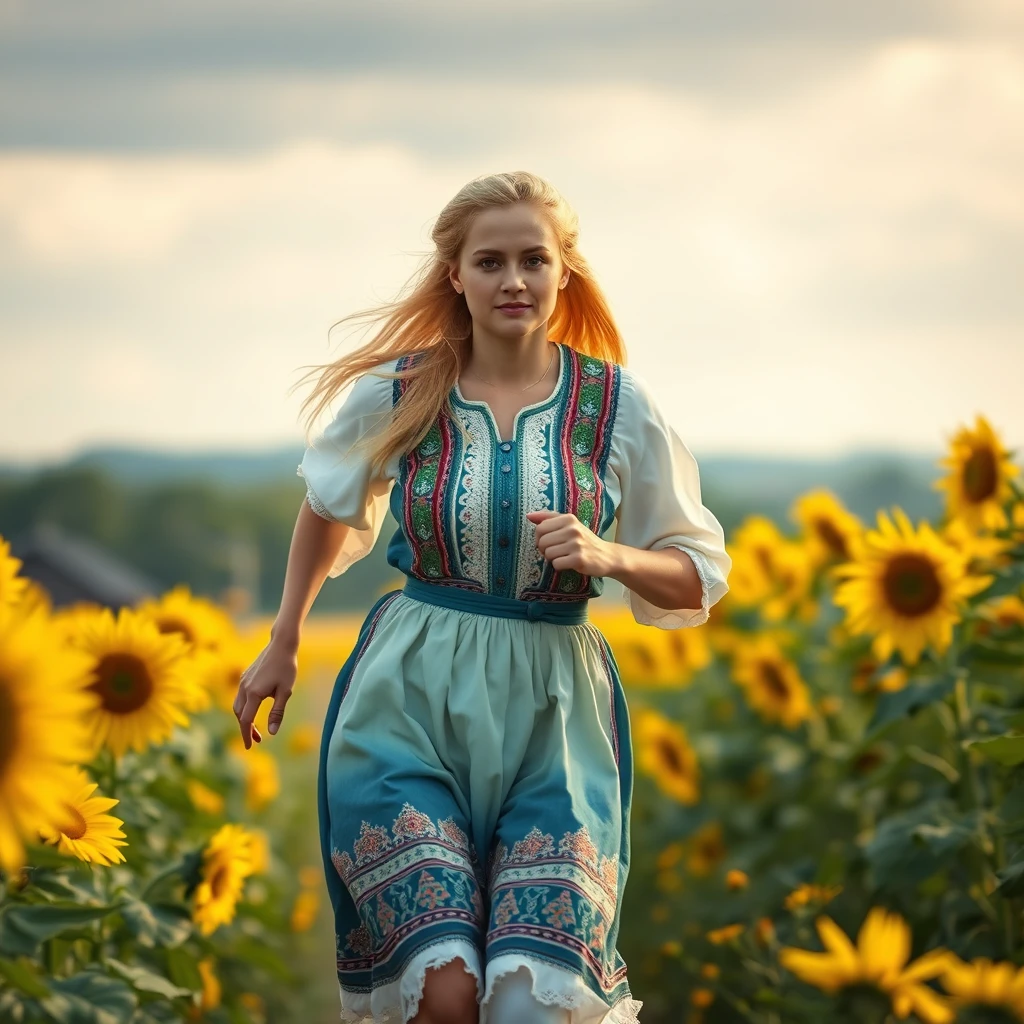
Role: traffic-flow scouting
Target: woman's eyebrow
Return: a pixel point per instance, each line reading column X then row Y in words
column 532, row 248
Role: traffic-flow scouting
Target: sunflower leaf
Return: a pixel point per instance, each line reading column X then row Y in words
column 1004, row 750
column 23, row 978
column 154, row 925
column 24, row 928
column 1011, row 880
column 259, row 954
column 1007, row 581
column 182, row 969
column 90, row 998
column 899, row 704
column 145, row 980
column 909, row 847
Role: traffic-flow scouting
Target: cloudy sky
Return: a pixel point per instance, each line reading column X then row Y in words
column 808, row 217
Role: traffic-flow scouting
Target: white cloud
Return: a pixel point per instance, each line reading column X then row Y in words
column 798, row 273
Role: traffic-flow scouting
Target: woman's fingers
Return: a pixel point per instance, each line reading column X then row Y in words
column 252, row 705
column 277, row 711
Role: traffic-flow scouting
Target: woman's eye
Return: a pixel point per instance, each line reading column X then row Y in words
column 491, row 259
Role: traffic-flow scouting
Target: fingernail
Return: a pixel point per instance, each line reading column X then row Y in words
column 273, row 728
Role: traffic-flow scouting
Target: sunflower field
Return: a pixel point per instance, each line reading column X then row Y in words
column 828, row 817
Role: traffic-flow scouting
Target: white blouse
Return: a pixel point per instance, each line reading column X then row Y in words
column 651, row 477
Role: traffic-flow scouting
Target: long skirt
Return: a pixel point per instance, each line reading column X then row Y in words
column 474, row 790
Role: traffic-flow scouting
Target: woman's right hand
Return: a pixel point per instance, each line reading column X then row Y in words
column 272, row 674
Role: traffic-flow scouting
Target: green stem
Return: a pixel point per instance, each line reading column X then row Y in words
column 972, row 794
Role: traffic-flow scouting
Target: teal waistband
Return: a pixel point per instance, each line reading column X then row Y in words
column 566, row 613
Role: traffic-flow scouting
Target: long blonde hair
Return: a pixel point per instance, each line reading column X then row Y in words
column 435, row 321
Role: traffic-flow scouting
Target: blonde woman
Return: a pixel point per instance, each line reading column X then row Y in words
column 476, row 770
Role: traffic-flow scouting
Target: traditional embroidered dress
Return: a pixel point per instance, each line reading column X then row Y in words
column 476, row 770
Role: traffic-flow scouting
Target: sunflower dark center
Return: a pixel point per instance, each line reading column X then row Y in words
column 644, row 657
column 911, row 585
column 670, row 757
column 983, row 1014
column 169, row 624
column 219, row 881
column 774, row 681
column 980, row 476
column 75, row 826
column 123, row 683
column 8, row 726
column 833, row 539
column 863, row 1002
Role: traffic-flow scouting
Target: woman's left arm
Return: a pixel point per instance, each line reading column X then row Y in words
column 667, row 578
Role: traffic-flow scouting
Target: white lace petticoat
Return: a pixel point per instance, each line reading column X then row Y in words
column 398, row 1002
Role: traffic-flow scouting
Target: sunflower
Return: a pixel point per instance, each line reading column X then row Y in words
column 85, row 830
column 204, row 799
column 1006, row 612
column 981, row 551
column 666, row 755
column 984, row 983
column 867, row 680
column 67, row 620
column 223, row 670
column 44, row 698
column 906, row 587
column 753, row 553
column 304, row 910
column 211, row 992
column 137, row 675
column 806, row 894
column 259, row 849
column 772, row 571
column 705, row 849
column 201, row 623
column 262, row 781
column 830, row 531
column 720, row 936
column 669, row 659
column 12, row 586
column 771, row 682
column 792, row 576
column 878, row 961
column 227, row 862
column 207, row 631
column 978, row 485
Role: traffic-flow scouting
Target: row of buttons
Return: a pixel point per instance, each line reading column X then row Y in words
column 506, row 446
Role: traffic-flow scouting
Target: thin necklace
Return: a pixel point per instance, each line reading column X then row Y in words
column 528, row 386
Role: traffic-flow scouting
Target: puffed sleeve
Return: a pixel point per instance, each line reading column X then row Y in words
column 660, row 503
column 339, row 483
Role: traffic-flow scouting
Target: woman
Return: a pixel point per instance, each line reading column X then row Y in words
column 475, row 767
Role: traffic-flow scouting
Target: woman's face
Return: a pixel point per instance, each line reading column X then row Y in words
column 510, row 255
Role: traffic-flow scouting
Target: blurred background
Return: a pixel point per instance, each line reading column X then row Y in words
column 808, row 219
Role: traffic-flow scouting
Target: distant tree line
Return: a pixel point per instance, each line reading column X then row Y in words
column 189, row 530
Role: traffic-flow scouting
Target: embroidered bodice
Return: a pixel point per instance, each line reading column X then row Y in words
column 598, row 447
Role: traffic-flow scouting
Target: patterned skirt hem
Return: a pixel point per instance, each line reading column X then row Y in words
column 555, row 986
column 399, row 1001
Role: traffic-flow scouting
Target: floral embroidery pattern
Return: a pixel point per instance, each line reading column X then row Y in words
column 560, row 892
column 446, row 484
column 585, row 444
column 404, row 878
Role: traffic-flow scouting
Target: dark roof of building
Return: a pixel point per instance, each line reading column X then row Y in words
column 73, row 569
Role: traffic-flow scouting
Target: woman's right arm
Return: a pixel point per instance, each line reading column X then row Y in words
column 315, row 544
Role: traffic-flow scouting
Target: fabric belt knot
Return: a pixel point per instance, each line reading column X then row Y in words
column 566, row 613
